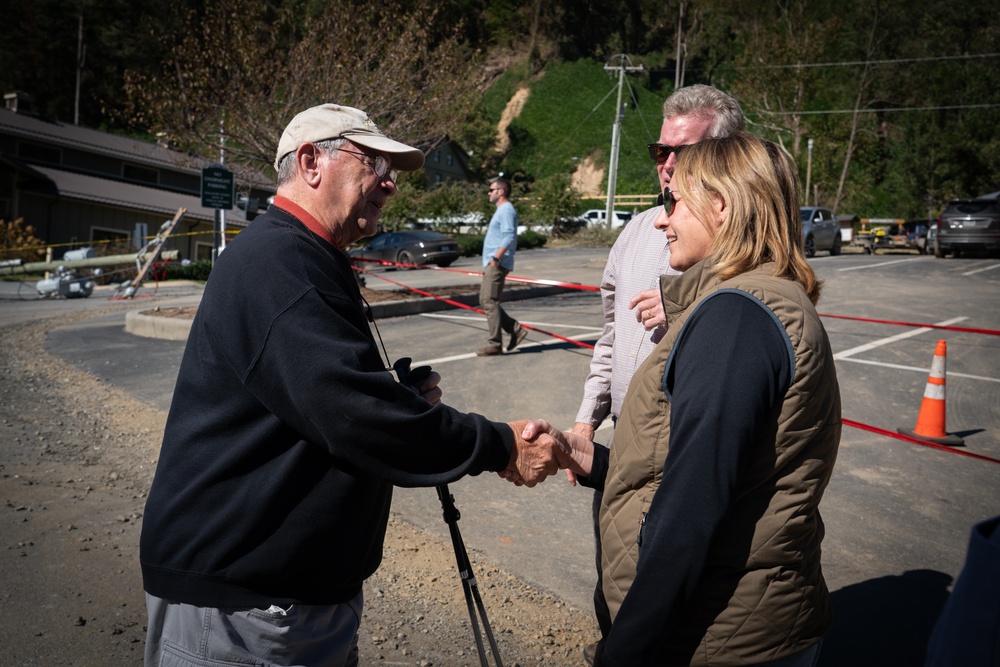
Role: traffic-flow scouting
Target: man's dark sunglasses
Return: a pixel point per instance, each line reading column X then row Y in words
column 660, row 152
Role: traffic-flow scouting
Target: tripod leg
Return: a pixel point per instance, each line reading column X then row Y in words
column 475, row 624
column 469, row 585
column 486, row 624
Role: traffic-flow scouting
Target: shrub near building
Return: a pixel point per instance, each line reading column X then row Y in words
column 20, row 242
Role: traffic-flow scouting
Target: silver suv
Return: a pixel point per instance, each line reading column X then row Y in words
column 969, row 224
column 820, row 230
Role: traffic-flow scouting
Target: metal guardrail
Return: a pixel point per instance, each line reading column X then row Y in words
column 626, row 201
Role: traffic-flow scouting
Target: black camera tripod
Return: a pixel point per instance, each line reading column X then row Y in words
column 451, row 516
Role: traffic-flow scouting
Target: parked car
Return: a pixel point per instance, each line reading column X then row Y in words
column 969, row 224
column 820, row 230
column 599, row 217
column 410, row 247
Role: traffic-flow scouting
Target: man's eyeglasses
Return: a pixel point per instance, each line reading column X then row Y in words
column 380, row 165
column 495, row 190
column 669, row 201
column 660, row 152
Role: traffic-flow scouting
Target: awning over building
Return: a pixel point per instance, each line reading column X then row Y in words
column 126, row 195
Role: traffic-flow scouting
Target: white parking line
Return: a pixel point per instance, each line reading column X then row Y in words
column 874, row 266
column 453, row 317
column 588, row 332
column 985, row 268
column 922, row 370
column 522, row 346
column 893, row 339
column 480, row 318
column 846, row 354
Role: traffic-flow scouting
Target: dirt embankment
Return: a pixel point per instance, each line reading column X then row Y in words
column 587, row 176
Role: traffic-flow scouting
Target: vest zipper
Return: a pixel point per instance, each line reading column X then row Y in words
column 642, row 522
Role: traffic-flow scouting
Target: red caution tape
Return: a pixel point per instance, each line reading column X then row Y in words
column 917, row 441
column 987, row 332
column 848, row 422
column 479, row 274
column 452, row 302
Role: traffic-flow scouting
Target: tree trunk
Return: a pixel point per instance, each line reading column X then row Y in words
column 862, row 89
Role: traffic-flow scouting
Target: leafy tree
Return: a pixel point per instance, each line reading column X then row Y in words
column 551, row 200
column 450, row 202
column 405, row 207
column 245, row 68
column 39, row 54
column 947, row 150
column 775, row 86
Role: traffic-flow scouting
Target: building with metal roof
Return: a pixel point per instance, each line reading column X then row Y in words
column 80, row 187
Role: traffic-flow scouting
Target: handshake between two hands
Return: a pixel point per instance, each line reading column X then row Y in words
column 541, row 450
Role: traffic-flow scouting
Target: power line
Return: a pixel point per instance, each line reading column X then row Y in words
column 833, row 111
column 854, row 63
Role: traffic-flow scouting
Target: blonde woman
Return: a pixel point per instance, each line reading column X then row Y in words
column 709, row 520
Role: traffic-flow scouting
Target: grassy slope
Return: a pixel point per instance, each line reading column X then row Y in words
column 570, row 113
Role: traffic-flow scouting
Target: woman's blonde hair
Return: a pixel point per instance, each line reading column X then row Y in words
column 758, row 184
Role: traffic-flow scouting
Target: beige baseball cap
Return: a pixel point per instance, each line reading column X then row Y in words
column 330, row 121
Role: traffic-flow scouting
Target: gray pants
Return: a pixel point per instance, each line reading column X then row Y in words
column 182, row 635
column 497, row 320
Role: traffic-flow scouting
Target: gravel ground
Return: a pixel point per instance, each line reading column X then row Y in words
column 76, row 459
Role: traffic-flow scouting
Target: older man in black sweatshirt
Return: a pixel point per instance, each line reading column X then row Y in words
column 286, row 432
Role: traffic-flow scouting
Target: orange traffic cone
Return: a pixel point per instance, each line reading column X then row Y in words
column 930, row 421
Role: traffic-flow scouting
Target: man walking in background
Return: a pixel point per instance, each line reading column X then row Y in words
column 498, row 260
column 633, row 313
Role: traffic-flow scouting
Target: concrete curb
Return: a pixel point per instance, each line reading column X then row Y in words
column 138, row 323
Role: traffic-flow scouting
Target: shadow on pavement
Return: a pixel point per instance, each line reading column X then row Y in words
column 885, row 621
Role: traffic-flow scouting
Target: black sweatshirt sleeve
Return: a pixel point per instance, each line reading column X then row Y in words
column 598, row 469
column 731, row 366
column 300, row 345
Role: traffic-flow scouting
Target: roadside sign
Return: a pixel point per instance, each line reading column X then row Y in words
column 217, row 187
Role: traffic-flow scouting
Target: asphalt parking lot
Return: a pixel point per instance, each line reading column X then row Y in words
column 898, row 515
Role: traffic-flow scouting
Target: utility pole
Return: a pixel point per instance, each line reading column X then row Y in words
column 809, row 167
column 616, row 134
column 679, row 67
column 81, row 55
column 220, row 214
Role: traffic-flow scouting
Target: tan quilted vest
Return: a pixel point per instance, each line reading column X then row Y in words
column 762, row 595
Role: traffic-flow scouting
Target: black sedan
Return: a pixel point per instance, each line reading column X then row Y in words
column 409, row 247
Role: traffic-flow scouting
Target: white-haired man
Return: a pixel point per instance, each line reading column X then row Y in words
column 287, row 432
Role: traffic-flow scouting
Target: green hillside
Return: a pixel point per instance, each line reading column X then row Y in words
column 569, row 114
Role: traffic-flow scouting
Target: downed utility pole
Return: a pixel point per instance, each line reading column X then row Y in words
column 151, row 251
column 15, row 267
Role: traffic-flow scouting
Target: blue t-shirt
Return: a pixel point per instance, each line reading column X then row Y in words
column 502, row 233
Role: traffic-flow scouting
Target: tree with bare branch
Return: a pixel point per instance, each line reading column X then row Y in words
column 239, row 70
